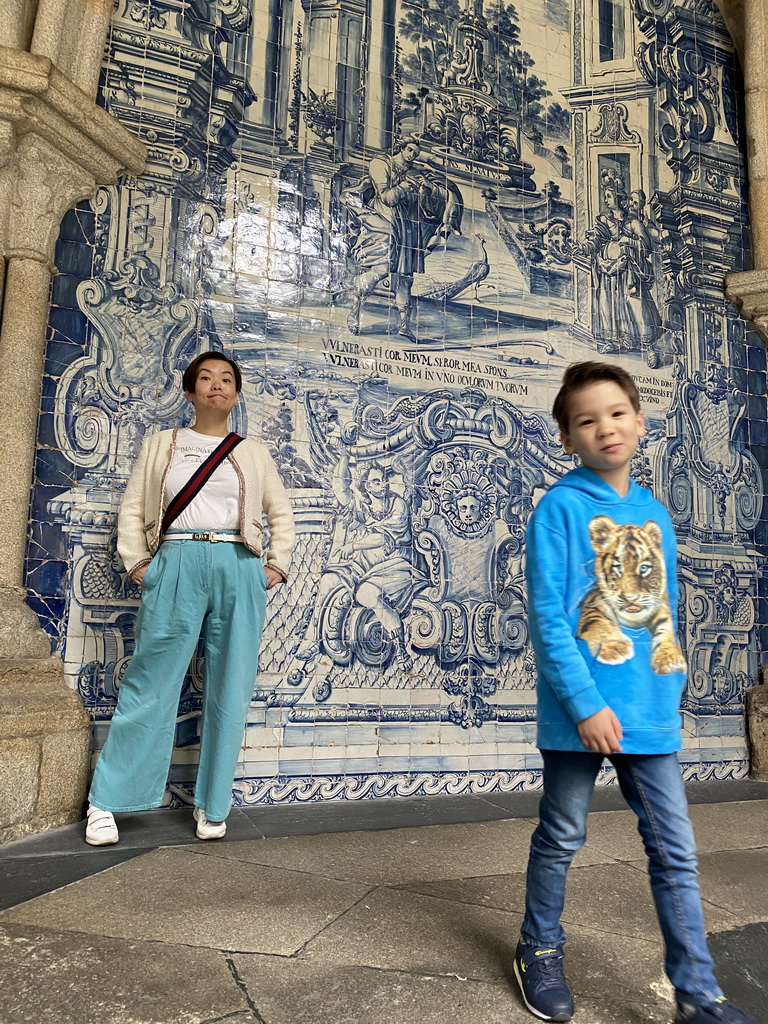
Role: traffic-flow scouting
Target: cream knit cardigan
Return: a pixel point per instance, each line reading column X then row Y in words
column 261, row 492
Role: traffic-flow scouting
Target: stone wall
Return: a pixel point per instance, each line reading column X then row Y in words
column 56, row 147
column 533, row 160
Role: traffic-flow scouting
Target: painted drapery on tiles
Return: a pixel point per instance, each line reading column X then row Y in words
column 404, row 218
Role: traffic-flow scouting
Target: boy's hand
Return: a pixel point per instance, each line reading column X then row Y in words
column 601, row 732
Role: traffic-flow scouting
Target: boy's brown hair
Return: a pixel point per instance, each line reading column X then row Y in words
column 580, row 375
column 189, row 380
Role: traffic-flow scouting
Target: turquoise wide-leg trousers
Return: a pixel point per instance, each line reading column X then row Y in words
column 189, row 585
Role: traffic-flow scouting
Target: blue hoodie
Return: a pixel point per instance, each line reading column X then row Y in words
column 602, row 605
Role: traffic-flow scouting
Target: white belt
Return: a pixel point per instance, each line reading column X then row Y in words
column 210, row 535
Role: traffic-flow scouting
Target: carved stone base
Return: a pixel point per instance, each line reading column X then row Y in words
column 44, row 734
column 756, row 700
column 749, row 290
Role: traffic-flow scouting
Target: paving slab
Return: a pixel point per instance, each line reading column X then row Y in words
column 742, row 967
column 498, row 891
column 301, row 992
column 519, row 804
column 616, row 898
column 604, row 798
column 172, row 895
column 396, row 930
column 716, row 791
column 404, row 931
column 733, row 825
column 71, row 978
column 612, row 971
column 730, row 826
column 297, row 992
column 24, row 878
column 613, row 897
column 141, row 830
column 525, row 803
column 295, row 932
column 618, row 1011
column 391, row 812
column 246, row 1017
column 736, row 880
column 396, row 856
column 613, row 834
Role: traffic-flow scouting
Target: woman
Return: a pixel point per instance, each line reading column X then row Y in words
column 202, row 571
column 623, row 270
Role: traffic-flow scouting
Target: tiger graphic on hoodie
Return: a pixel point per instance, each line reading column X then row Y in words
column 630, row 590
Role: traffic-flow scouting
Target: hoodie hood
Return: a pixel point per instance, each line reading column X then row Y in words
column 591, row 484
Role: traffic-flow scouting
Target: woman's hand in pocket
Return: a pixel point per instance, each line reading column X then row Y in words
column 273, row 577
column 138, row 574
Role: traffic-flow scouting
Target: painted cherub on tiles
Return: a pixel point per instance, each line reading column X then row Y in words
column 460, row 520
column 731, row 603
column 631, row 591
column 375, row 557
column 398, row 213
column 627, row 318
column 472, row 506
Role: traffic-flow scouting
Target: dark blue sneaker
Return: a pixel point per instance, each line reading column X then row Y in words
column 539, row 973
column 722, row 1011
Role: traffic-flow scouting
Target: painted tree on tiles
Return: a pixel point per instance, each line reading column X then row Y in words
column 429, row 26
column 510, row 65
column 506, row 70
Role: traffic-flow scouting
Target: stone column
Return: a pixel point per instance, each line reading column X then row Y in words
column 56, row 148
column 750, row 288
column 757, row 727
column 15, row 24
column 22, row 350
column 71, row 34
column 756, row 107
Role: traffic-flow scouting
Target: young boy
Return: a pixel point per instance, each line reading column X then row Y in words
column 602, row 589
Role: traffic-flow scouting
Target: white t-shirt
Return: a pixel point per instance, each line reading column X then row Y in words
column 217, row 505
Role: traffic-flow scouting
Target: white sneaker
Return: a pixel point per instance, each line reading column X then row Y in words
column 100, row 827
column 208, row 829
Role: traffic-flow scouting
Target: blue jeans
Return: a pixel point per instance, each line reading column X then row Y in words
column 188, row 585
column 653, row 787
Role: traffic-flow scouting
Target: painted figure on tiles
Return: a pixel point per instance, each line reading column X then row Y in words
column 399, row 212
column 627, row 316
column 374, row 559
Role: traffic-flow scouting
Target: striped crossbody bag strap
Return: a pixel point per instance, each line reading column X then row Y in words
column 200, row 478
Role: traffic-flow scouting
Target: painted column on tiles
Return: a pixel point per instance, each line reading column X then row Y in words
column 713, row 486
column 404, row 220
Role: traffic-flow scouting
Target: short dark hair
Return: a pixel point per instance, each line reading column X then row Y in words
column 580, row 375
column 191, row 373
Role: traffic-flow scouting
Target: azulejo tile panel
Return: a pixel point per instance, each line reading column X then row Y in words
column 405, row 218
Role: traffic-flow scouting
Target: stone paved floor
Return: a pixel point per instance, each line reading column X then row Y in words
column 388, row 912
